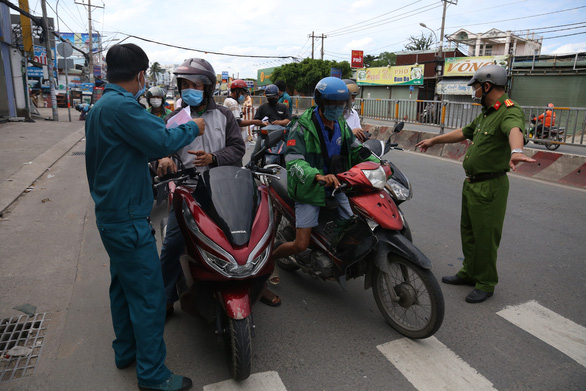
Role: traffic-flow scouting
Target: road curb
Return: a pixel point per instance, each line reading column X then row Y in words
column 566, row 169
column 15, row 185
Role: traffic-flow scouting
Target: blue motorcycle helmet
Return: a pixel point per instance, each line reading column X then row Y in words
column 332, row 96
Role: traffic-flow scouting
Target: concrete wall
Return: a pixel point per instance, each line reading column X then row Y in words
column 550, row 166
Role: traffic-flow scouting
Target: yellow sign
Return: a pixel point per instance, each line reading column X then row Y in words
column 400, row 75
column 466, row 66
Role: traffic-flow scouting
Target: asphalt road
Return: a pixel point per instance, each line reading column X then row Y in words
column 321, row 337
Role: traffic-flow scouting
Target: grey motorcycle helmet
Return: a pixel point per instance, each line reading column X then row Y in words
column 494, row 74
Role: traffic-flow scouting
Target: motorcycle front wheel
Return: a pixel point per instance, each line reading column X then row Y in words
column 238, row 342
column 416, row 307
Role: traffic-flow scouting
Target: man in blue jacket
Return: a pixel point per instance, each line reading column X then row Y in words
column 121, row 138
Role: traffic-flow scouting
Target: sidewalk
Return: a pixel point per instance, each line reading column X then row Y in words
column 28, row 149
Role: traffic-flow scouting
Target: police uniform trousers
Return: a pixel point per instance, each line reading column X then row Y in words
column 483, row 212
column 137, row 299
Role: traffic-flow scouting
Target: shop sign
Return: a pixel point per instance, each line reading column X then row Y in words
column 466, row 66
column 388, row 76
column 357, row 59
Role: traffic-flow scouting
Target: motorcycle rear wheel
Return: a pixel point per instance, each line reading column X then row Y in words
column 238, row 343
column 419, row 311
column 552, row 147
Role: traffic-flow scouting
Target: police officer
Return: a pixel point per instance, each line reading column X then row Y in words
column 497, row 142
column 120, row 138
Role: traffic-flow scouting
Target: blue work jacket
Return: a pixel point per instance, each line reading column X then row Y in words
column 121, row 138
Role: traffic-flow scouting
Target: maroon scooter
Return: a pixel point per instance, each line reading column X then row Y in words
column 227, row 222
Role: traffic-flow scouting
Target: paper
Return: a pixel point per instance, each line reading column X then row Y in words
column 182, row 117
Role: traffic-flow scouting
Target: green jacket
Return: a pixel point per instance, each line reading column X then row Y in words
column 305, row 159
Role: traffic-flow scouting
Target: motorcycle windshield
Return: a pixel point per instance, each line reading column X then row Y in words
column 230, row 197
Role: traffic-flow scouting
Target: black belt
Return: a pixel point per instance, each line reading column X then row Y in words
column 484, row 177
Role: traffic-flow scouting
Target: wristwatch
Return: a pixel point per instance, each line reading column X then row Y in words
column 214, row 159
column 516, row 150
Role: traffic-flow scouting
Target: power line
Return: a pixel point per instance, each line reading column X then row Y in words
column 524, row 17
column 566, row 35
column 199, row 50
column 367, row 20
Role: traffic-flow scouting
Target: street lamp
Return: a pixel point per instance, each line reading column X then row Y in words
column 433, row 32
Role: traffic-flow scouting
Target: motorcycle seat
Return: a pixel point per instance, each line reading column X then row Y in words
column 280, row 186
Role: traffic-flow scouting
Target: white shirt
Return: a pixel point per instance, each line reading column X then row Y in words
column 353, row 119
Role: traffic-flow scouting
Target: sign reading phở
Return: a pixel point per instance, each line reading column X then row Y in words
column 400, row 75
column 357, row 59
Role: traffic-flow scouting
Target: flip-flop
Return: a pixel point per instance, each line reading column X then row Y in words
column 269, row 297
column 275, row 280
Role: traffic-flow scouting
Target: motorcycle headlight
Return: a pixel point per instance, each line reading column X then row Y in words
column 400, row 192
column 377, row 177
column 223, row 262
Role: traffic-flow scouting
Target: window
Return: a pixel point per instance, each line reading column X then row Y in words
column 488, row 50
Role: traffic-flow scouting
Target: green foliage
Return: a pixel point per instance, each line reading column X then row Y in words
column 303, row 76
column 382, row 60
column 421, row 43
column 154, row 71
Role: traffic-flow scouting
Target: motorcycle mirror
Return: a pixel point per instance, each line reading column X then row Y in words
column 365, row 152
column 399, row 127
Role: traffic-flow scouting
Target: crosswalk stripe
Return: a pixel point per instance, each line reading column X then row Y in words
column 265, row 381
column 430, row 366
column 555, row 330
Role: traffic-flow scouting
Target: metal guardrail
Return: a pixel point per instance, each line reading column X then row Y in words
column 452, row 115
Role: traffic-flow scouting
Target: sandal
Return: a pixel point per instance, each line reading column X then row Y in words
column 274, row 278
column 270, row 298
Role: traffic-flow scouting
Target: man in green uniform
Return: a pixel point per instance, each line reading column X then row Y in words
column 497, row 142
column 121, row 138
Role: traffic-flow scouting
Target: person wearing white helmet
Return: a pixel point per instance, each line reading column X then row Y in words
column 351, row 115
column 496, row 146
column 155, row 97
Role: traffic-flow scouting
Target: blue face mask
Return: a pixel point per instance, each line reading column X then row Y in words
column 192, row 96
column 241, row 99
column 333, row 112
column 141, row 90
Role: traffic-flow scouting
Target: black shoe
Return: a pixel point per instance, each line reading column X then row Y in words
column 455, row 280
column 124, row 365
column 173, row 383
column 478, row 296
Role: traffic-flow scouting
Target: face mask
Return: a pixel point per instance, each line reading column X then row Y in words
column 273, row 101
column 333, row 112
column 474, row 93
column 156, row 102
column 192, row 97
column 141, row 90
column 241, row 99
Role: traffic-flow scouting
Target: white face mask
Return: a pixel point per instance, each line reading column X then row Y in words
column 474, row 92
column 156, row 102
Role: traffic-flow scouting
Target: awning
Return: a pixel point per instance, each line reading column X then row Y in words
column 454, row 86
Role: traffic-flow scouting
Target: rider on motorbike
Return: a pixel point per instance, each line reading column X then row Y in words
column 276, row 113
column 320, row 145
column 222, row 145
column 351, row 115
column 548, row 122
column 155, row 97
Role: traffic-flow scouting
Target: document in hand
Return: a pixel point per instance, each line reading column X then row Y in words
column 182, row 117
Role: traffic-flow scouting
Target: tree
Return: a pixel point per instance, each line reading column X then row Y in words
column 155, row 71
column 382, row 60
column 303, row 76
column 421, row 43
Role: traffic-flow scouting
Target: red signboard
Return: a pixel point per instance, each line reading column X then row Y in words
column 357, row 59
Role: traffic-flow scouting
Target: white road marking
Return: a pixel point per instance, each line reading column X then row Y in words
column 555, row 330
column 430, row 366
column 265, row 381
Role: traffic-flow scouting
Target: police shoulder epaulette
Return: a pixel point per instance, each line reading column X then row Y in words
column 509, row 103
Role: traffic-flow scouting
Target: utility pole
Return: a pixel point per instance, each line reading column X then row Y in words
column 322, row 45
column 49, row 62
column 441, row 40
column 90, row 39
column 312, row 36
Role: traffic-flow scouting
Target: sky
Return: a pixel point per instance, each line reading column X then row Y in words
column 274, row 28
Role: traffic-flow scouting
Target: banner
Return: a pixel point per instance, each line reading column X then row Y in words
column 264, row 76
column 466, row 66
column 357, row 59
column 387, row 76
column 81, row 41
column 41, row 58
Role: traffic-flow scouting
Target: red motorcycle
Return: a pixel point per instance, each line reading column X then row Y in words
column 371, row 244
column 227, row 222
